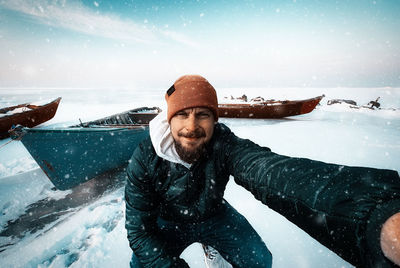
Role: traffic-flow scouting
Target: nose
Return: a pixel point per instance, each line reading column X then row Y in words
column 191, row 123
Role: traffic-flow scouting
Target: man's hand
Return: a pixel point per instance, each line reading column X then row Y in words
column 390, row 238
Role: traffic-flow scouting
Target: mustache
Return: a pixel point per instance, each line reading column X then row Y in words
column 197, row 133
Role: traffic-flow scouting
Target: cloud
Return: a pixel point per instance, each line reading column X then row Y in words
column 76, row 17
column 181, row 38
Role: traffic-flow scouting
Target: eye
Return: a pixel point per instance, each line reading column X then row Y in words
column 204, row 114
column 181, row 114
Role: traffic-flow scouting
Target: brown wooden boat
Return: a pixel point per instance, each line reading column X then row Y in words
column 268, row 109
column 27, row 115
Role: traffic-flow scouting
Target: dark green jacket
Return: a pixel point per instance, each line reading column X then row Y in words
column 342, row 207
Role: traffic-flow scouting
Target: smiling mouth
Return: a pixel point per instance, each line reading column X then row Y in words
column 191, row 140
column 196, row 134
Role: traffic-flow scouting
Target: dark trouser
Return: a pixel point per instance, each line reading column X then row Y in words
column 228, row 232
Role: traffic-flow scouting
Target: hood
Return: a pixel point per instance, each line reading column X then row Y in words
column 162, row 140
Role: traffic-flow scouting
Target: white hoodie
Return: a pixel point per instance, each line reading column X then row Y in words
column 162, row 140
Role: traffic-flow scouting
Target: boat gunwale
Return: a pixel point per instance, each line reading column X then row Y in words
column 136, row 111
column 97, row 128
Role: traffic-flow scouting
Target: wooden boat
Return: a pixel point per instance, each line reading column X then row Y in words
column 268, row 109
column 72, row 155
column 27, row 115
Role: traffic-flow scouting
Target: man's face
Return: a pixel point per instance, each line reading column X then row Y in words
column 192, row 129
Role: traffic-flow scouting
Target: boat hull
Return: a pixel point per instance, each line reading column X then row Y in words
column 30, row 118
column 273, row 109
column 73, row 156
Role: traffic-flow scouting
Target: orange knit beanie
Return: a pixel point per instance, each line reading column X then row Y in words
column 191, row 91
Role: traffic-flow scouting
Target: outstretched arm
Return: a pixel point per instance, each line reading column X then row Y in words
column 342, row 207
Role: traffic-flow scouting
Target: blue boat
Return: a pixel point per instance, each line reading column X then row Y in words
column 73, row 155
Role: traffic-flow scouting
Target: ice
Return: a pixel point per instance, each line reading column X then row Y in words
column 93, row 235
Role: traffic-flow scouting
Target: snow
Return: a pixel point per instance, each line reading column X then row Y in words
column 16, row 111
column 92, row 233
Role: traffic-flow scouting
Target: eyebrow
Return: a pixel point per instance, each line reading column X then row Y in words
column 204, row 111
column 196, row 112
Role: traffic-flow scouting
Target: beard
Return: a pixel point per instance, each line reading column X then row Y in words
column 191, row 155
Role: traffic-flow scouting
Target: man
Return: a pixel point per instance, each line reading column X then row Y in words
column 177, row 178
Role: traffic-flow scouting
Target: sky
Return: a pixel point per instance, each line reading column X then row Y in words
column 149, row 44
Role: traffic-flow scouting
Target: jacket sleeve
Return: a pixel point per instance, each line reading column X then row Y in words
column 340, row 206
column 141, row 216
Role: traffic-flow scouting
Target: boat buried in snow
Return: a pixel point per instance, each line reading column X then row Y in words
column 268, row 109
column 73, row 155
column 27, row 114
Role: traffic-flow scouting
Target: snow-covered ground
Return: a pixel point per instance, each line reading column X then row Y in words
column 43, row 227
